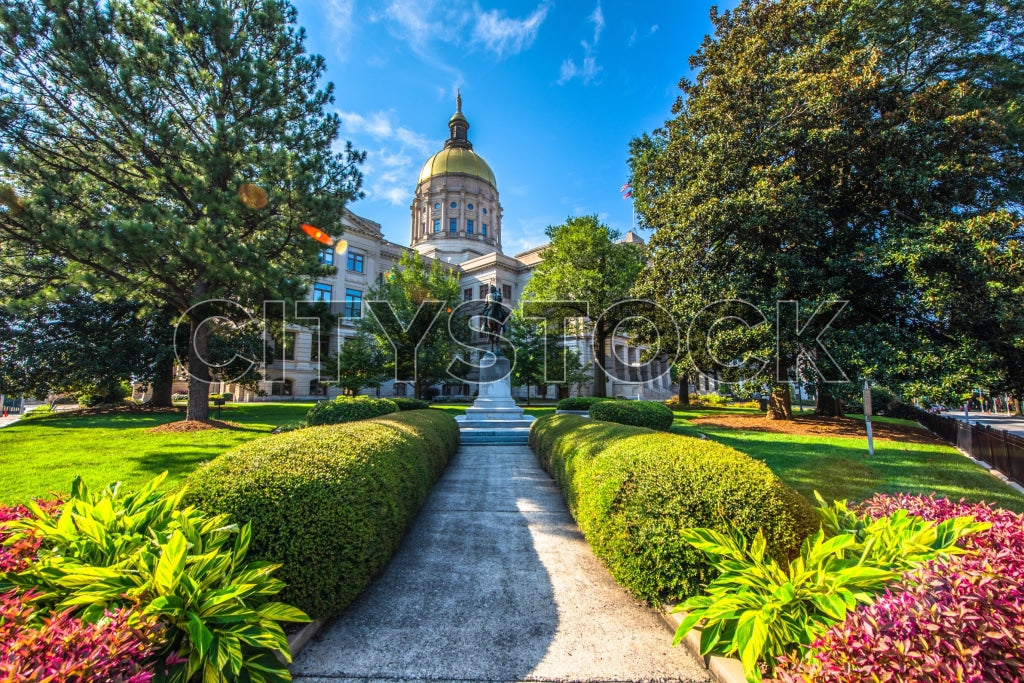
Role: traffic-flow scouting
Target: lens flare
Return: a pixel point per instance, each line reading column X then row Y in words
column 316, row 233
column 340, row 247
column 253, row 196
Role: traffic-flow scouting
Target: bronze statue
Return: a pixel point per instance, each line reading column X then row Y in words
column 495, row 315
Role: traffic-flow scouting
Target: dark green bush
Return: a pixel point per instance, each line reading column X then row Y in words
column 579, row 402
column 636, row 413
column 105, row 393
column 632, row 490
column 329, row 503
column 411, row 403
column 349, row 409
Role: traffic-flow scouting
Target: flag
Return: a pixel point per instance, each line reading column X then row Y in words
column 626, row 190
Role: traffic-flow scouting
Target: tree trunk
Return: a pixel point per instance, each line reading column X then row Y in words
column 684, row 390
column 600, row 380
column 827, row 405
column 162, row 383
column 780, row 403
column 198, row 372
column 1017, row 403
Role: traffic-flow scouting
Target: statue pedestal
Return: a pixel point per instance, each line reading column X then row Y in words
column 494, row 416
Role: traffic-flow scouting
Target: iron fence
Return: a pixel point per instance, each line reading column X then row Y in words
column 997, row 447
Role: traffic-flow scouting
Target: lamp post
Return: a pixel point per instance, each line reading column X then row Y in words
column 867, row 417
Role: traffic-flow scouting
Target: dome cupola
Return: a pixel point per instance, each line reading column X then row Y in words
column 456, row 214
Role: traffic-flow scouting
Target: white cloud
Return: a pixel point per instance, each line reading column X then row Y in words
column 597, row 19
column 503, row 35
column 654, row 29
column 586, row 72
column 394, row 153
column 339, row 16
column 589, row 68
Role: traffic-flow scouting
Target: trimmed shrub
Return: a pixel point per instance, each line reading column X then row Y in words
column 329, row 503
column 410, row 403
column 636, row 413
column 349, row 409
column 579, row 402
column 632, row 491
column 954, row 619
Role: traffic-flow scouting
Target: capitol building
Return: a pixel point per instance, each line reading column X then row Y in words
column 456, row 218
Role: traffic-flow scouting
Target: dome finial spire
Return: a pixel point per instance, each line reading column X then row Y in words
column 458, row 100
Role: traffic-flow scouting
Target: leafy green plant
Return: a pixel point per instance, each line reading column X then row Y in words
column 579, row 402
column 108, row 550
column 758, row 610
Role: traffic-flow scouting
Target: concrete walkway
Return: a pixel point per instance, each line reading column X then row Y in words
column 494, row 582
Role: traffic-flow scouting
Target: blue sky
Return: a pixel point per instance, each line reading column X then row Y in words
column 553, row 92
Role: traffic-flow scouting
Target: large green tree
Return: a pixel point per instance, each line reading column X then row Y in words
column 170, row 150
column 816, row 136
column 408, row 313
column 590, row 274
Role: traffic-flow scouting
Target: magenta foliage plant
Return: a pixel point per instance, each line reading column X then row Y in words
column 957, row 618
column 61, row 647
column 16, row 551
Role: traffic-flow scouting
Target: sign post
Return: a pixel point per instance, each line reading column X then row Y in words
column 867, row 417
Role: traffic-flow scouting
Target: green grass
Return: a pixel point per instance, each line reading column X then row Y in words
column 839, row 467
column 43, row 452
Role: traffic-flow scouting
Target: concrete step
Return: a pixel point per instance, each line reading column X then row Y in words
column 492, row 435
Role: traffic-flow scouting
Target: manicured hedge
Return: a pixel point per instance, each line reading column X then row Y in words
column 579, row 402
column 632, row 489
column 411, row 403
column 349, row 409
column 636, row 413
column 330, row 503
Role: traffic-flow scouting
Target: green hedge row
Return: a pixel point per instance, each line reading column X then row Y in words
column 636, row 413
column 330, row 503
column 579, row 402
column 632, row 489
column 349, row 409
column 410, row 403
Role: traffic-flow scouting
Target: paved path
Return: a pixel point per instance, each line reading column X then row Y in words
column 11, row 419
column 494, row 582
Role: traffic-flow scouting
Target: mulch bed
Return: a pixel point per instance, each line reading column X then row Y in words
column 193, row 426
column 816, row 426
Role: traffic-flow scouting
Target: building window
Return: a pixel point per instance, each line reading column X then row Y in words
column 317, row 389
column 455, row 205
column 353, row 303
column 506, row 292
column 467, row 294
column 321, row 348
column 469, row 227
column 321, row 292
column 469, row 207
column 483, row 229
column 484, row 290
column 284, row 347
column 399, row 388
column 281, row 387
column 483, row 211
column 453, row 224
column 437, row 225
column 437, row 207
column 355, row 262
column 326, row 257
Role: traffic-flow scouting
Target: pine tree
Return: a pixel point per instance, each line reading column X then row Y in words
column 170, row 150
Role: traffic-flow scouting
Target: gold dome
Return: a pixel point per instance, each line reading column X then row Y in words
column 457, row 160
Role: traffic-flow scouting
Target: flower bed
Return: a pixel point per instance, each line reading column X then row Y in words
column 957, row 618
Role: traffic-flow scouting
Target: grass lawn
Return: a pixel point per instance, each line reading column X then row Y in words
column 44, row 452
column 838, row 467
